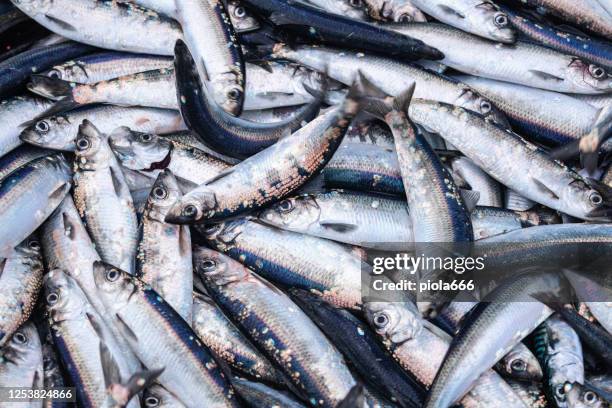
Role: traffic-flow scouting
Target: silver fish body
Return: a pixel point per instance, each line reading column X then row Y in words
column 19, row 157
column 491, row 221
column 279, row 327
column 520, row 63
column 593, row 294
column 106, row 24
column 260, row 395
column 20, row 283
column 58, row 132
column 166, row 7
column 490, row 192
column 28, row 196
column 103, row 199
column 14, row 113
column 343, row 8
column 163, row 259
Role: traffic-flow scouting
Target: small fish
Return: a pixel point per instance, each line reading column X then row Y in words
column 14, row 112
column 583, row 396
column 259, row 395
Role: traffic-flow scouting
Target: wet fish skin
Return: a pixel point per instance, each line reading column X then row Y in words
column 583, row 396
column 28, row 196
column 338, row 30
column 259, row 395
column 522, row 63
column 286, row 258
column 226, row 341
column 538, row 177
column 221, row 131
column 163, row 258
column 399, row 11
column 166, row 7
column 157, row 396
column 20, row 282
column 91, row 23
column 149, row 154
column 103, row 66
column 218, row 59
column 592, row 293
column 279, row 328
column 59, row 131
column 13, row 113
column 343, row 8
column 19, row 157
column 490, row 191
column 356, row 219
column 491, row 221
column 103, row 199
column 161, row 338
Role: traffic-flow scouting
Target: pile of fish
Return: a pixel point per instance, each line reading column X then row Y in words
column 189, row 188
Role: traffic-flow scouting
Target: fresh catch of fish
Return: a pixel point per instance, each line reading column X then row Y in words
column 306, row 203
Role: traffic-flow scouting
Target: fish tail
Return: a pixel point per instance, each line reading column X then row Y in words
column 375, row 101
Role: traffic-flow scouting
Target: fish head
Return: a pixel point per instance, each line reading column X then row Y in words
column 92, row 149
column 294, row 213
column 228, row 93
column 70, row 71
column 589, row 77
column 33, row 8
column 30, row 248
column 23, row 348
column 216, row 268
column 138, row 151
column 164, row 193
column 114, row 285
column 242, row 19
column 520, row 363
column 586, row 202
column 473, row 101
column 487, row 18
column 395, row 321
column 399, row 11
column 224, row 233
column 63, row 297
column 584, row 396
column 195, row 206
column 48, row 132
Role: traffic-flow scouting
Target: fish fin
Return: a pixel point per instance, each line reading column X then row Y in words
column 279, row 18
column 109, row 366
column 516, row 202
column 355, row 397
column 470, row 198
column 50, row 88
column 544, row 189
column 64, row 25
column 117, row 184
column 205, row 72
column 452, row 11
column 319, row 94
column 69, row 228
column 95, row 324
column 402, row 101
column 362, row 85
column 125, row 330
column 219, row 176
column 436, row 330
column 121, row 394
column 338, row 226
column 262, row 63
column 58, row 193
column 2, row 265
column 545, row 75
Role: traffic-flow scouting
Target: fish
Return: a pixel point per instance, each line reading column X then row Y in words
column 559, row 350
column 22, row 363
column 353, row 9
column 524, row 63
column 538, row 177
column 59, row 131
column 163, row 258
column 582, row 396
column 592, row 293
column 225, row 340
column 163, row 339
column 128, row 23
column 16, row 70
column 20, row 282
column 489, row 190
column 234, row 137
column 285, row 257
column 491, row 221
column 315, row 24
column 52, row 372
column 531, row 393
column 520, row 363
column 279, row 328
column 28, row 196
column 357, row 219
column 103, row 199
column 259, row 395
column 165, row 7
column 218, row 59
column 14, row 112
column 390, row 75
column 20, row 157
column 482, row 18
column 102, row 66
column 157, row 396
column 242, row 19
column 399, row 11
column 598, row 101
column 272, row 173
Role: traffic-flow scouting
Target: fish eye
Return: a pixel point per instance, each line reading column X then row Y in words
column 518, row 366
column 356, row 3
column 160, row 192
column 381, row 320
column 190, row 210
column 151, row 401
column 112, row 275
column 52, row 298
column 560, row 391
column 589, row 397
column 404, row 18
column 285, row 206
column 34, row 244
column 485, row 107
column 501, row 20
column 233, row 94
column 42, row 126
column 20, row 338
column 239, row 12
column 82, row 143
column 208, row 265
column 596, row 199
column 55, row 74
column 146, row 137
column 597, row 72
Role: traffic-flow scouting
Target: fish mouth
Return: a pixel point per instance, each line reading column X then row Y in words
column 31, row 137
